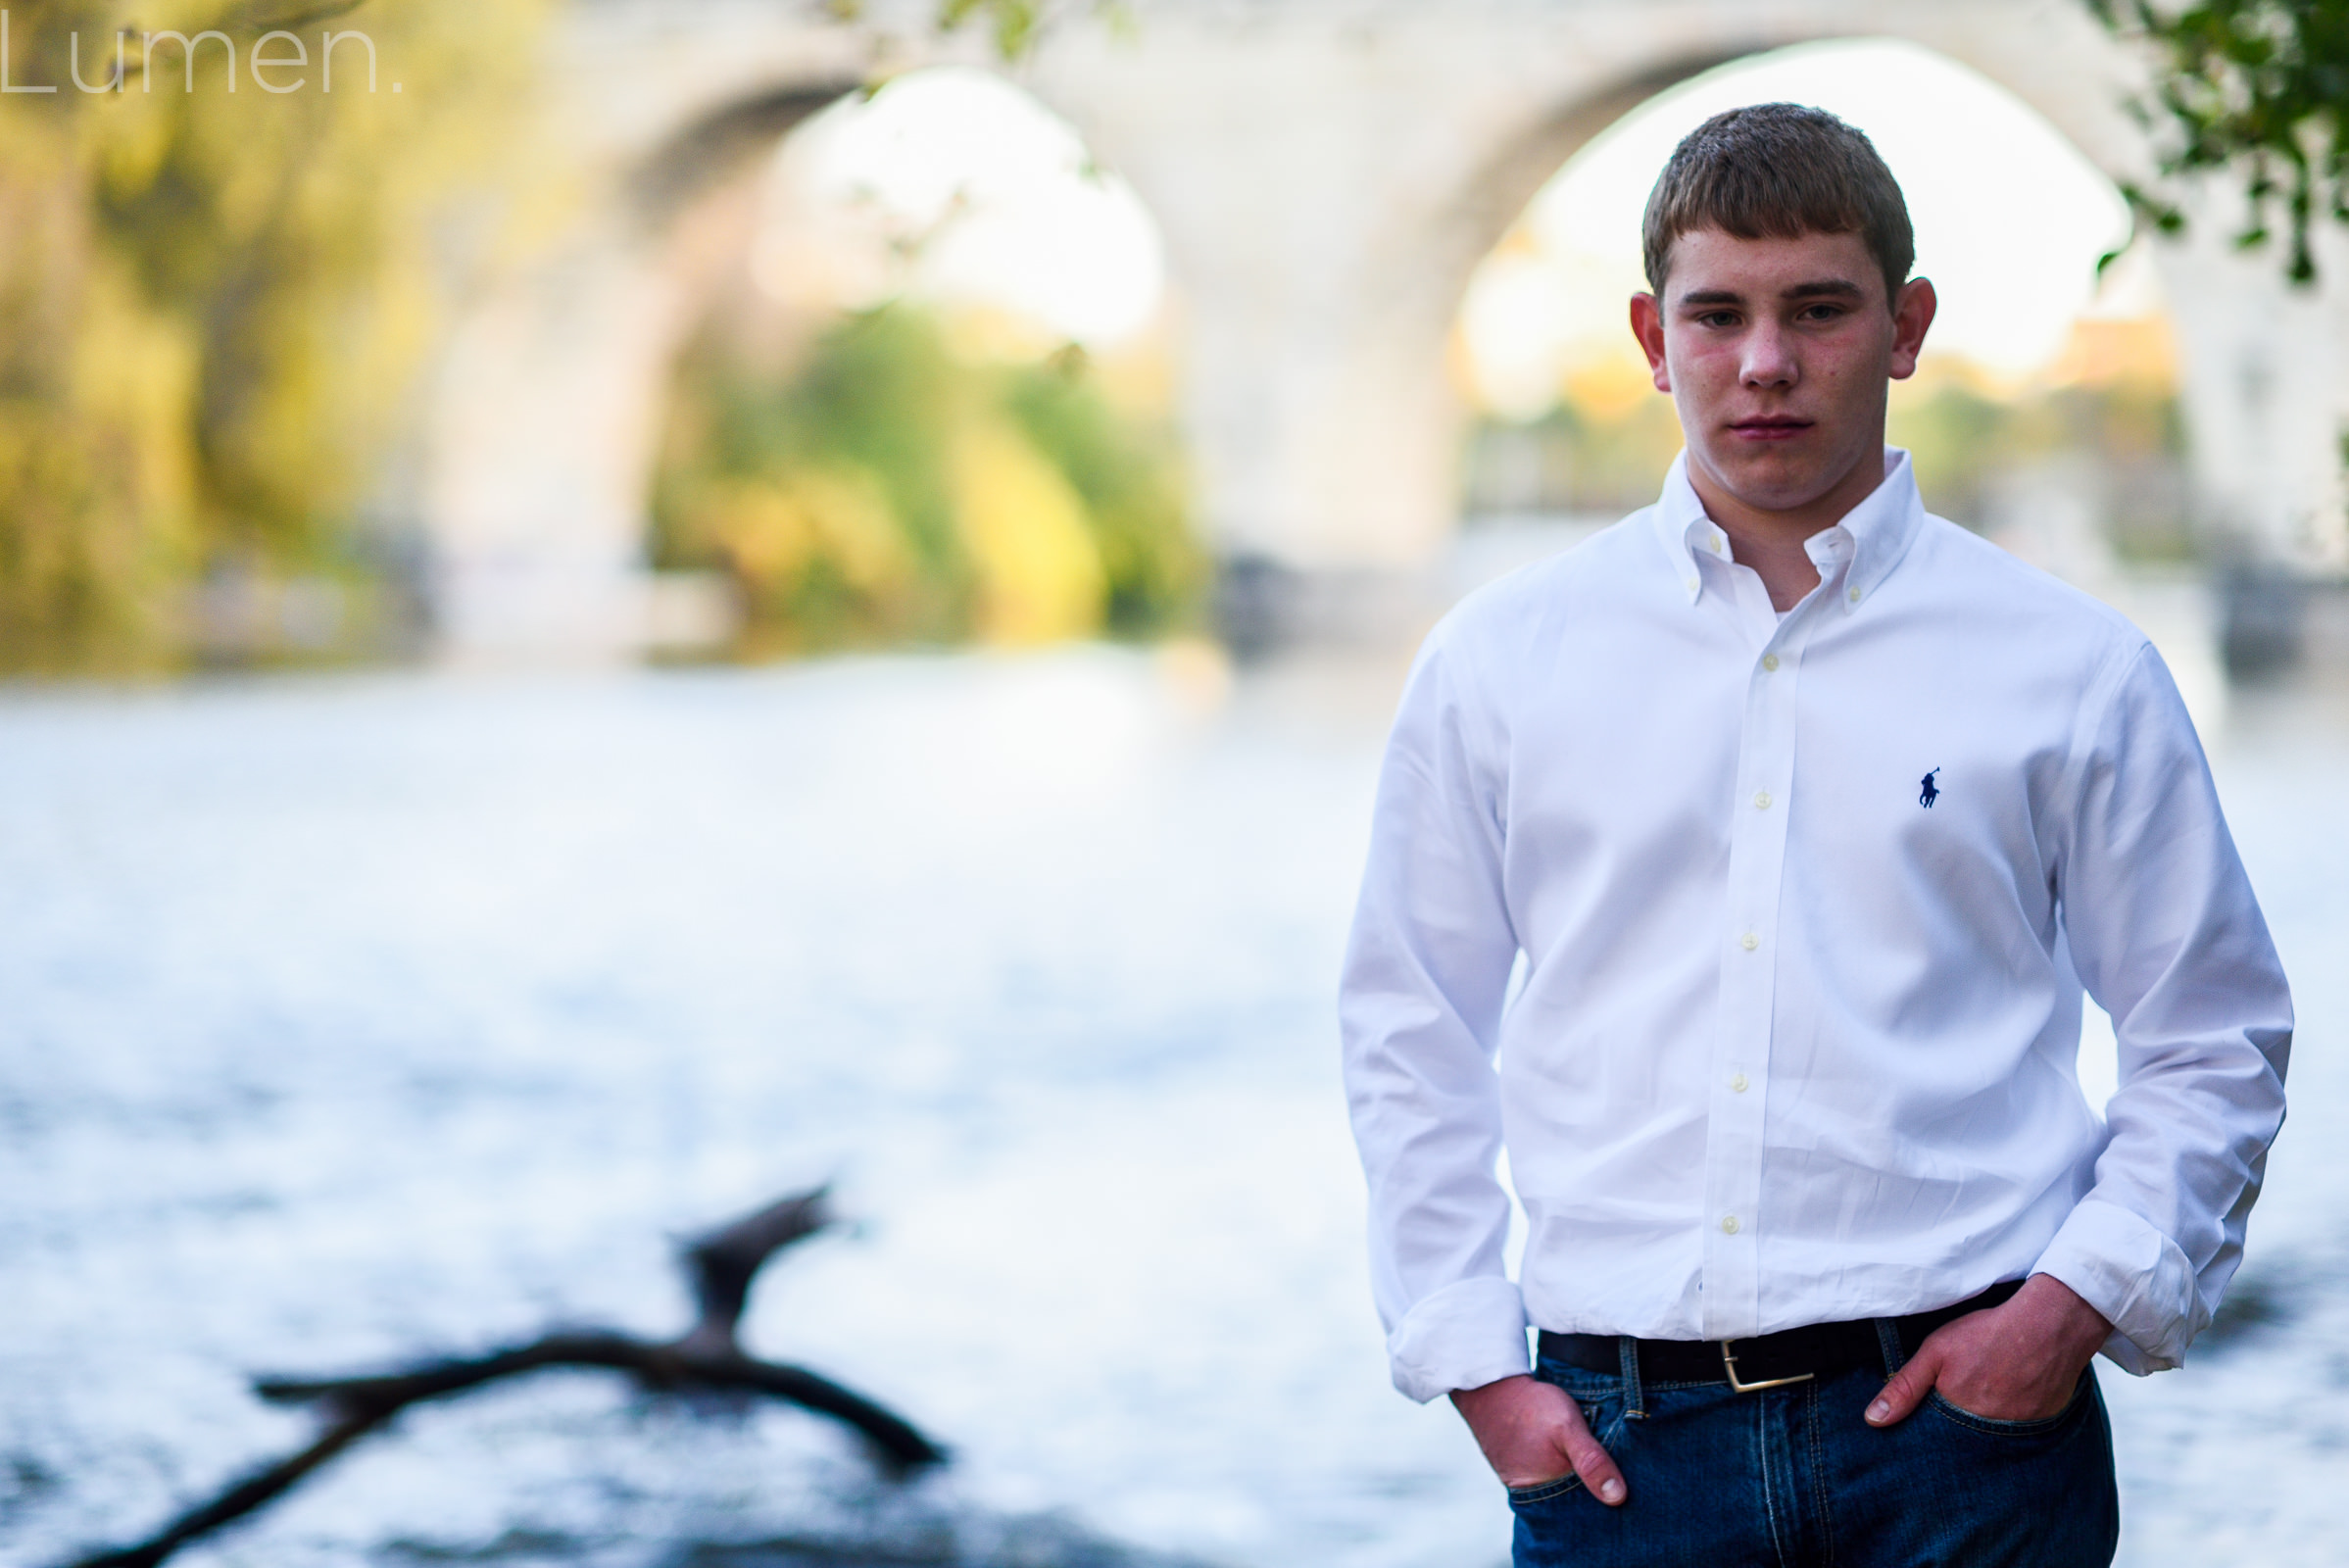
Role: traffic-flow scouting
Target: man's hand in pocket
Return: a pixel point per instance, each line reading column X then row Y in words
column 1533, row 1432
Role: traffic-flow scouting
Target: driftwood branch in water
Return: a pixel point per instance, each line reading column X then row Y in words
column 720, row 1266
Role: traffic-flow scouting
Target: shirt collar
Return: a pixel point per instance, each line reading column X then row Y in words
column 1871, row 536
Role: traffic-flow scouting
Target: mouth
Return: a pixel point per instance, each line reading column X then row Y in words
column 1769, row 427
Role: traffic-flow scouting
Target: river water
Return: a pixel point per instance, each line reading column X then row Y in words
column 348, row 1019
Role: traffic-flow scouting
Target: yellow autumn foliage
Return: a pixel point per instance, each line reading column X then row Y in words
column 1039, row 576
column 886, row 490
column 1610, row 385
column 775, row 530
column 214, row 304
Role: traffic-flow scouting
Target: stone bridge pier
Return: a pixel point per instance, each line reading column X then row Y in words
column 1325, row 173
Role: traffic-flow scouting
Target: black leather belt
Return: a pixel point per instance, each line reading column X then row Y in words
column 1791, row 1356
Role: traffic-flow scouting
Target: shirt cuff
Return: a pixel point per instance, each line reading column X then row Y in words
column 1467, row 1334
column 2122, row 1266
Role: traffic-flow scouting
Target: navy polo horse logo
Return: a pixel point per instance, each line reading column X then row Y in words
column 1929, row 792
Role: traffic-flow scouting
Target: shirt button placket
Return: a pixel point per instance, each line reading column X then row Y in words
column 1735, row 1125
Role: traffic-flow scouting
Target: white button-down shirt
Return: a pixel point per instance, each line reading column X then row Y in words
column 1804, row 907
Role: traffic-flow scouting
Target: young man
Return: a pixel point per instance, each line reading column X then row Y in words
column 1769, row 838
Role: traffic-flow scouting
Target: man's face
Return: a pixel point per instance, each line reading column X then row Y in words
column 1777, row 354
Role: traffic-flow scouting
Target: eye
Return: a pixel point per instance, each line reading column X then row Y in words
column 1823, row 310
column 1717, row 319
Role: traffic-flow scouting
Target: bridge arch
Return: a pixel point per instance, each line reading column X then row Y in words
column 1406, row 146
column 1324, row 178
column 546, row 403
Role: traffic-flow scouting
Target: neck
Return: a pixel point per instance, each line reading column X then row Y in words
column 1772, row 541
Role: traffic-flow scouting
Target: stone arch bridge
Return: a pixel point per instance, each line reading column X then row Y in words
column 1325, row 175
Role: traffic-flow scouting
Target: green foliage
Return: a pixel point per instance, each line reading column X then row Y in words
column 843, row 498
column 1964, row 444
column 2259, row 86
column 95, row 472
column 1957, row 438
column 1012, row 21
column 1014, row 26
column 881, row 394
column 209, row 346
column 1602, row 461
column 1129, row 480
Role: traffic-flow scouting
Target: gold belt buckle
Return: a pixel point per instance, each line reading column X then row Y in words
column 1728, row 1364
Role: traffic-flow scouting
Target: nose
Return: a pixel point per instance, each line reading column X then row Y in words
column 1769, row 359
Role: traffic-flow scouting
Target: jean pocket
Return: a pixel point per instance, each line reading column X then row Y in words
column 2081, row 1392
column 1598, row 1395
column 1544, row 1490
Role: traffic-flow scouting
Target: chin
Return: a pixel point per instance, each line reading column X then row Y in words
column 1775, row 482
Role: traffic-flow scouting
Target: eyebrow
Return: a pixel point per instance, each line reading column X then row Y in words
column 1822, row 288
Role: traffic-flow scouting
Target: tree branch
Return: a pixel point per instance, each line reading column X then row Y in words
column 663, row 1367
column 722, row 1265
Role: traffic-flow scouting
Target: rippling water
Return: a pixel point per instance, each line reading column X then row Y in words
column 343, row 1021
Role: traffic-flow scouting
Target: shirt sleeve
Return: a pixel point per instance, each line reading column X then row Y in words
column 2167, row 937
column 1419, row 1007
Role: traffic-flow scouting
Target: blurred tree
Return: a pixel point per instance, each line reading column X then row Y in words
column 2261, row 86
column 828, row 497
column 97, row 466
column 214, row 298
column 1012, row 25
column 213, row 302
column 1600, row 455
column 1600, row 451
column 1968, row 446
column 886, row 490
column 1958, row 437
column 1128, row 478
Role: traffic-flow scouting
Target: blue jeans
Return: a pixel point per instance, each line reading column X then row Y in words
column 1793, row 1476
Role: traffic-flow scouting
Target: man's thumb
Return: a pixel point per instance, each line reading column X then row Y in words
column 1907, row 1389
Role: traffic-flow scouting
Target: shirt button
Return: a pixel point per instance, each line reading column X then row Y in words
column 1770, row 661
column 1761, row 801
column 1729, row 1224
column 1737, row 1083
column 1855, row 595
column 1750, row 942
column 1692, row 585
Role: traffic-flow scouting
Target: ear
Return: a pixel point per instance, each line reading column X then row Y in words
column 1648, row 326
column 1913, row 311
